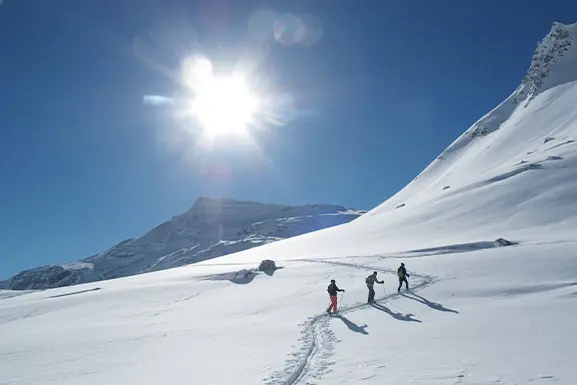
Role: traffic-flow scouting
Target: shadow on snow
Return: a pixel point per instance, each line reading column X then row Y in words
column 457, row 248
column 270, row 273
column 351, row 325
column 432, row 305
column 74, row 293
column 399, row 316
column 241, row 277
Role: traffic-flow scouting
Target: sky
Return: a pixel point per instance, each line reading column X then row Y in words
column 363, row 101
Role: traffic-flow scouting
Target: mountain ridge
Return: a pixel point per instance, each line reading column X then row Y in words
column 212, row 227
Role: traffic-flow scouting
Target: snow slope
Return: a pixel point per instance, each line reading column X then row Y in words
column 512, row 174
column 476, row 314
column 496, row 316
column 211, row 228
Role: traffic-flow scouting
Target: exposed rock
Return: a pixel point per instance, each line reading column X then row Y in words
column 267, row 265
column 502, row 242
column 43, row 278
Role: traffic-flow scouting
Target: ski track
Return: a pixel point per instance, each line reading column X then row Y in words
column 313, row 359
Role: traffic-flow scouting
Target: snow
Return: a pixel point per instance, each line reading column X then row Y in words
column 480, row 317
column 78, row 265
column 476, row 314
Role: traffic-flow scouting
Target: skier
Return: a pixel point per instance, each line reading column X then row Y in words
column 333, row 289
column 402, row 274
column 370, row 281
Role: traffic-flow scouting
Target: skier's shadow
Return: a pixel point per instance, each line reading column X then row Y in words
column 399, row 316
column 432, row 305
column 351, row 325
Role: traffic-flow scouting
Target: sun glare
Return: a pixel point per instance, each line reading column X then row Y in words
column 225, row 106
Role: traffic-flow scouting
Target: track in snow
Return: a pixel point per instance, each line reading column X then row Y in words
column 312, row 360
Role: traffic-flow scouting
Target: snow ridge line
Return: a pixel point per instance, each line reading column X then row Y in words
column 317, row 337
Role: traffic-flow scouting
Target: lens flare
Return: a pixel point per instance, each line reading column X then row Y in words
column 225, row 106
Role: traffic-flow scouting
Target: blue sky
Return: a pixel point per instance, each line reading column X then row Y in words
column 84, row 163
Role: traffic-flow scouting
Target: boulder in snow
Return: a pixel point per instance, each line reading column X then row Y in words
column 267, row 265
column 501, row 242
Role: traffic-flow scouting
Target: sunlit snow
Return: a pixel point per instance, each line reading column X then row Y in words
column 476, row 314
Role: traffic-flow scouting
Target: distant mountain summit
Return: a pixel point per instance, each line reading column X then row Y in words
column 210, row 229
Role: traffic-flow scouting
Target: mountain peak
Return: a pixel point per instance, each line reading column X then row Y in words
column 552, row 64
column 204, row 200
column 209, row 207
column 211, row 228
column 208, row 201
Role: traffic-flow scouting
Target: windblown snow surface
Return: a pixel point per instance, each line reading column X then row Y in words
column 475, row 315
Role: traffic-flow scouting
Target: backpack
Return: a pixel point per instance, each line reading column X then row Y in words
column 368, row 280
column 329, row 289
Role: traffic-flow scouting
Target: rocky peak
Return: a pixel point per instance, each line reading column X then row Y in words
column 553, row 63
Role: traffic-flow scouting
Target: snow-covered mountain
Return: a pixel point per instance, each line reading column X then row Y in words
column 511, row 174
column 211, row 228
column 475, row 315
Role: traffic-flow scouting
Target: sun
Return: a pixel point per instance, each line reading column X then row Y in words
column 225, row 106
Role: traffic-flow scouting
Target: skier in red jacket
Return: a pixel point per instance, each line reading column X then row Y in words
column 333, row 290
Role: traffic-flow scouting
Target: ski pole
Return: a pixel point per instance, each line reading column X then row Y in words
column 384, row 291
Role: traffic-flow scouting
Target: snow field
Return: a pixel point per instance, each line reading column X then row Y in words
column 480, row 317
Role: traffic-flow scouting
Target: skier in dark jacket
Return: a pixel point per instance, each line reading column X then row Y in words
column 402, row 274
column 333, row 290
column 371, row 279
